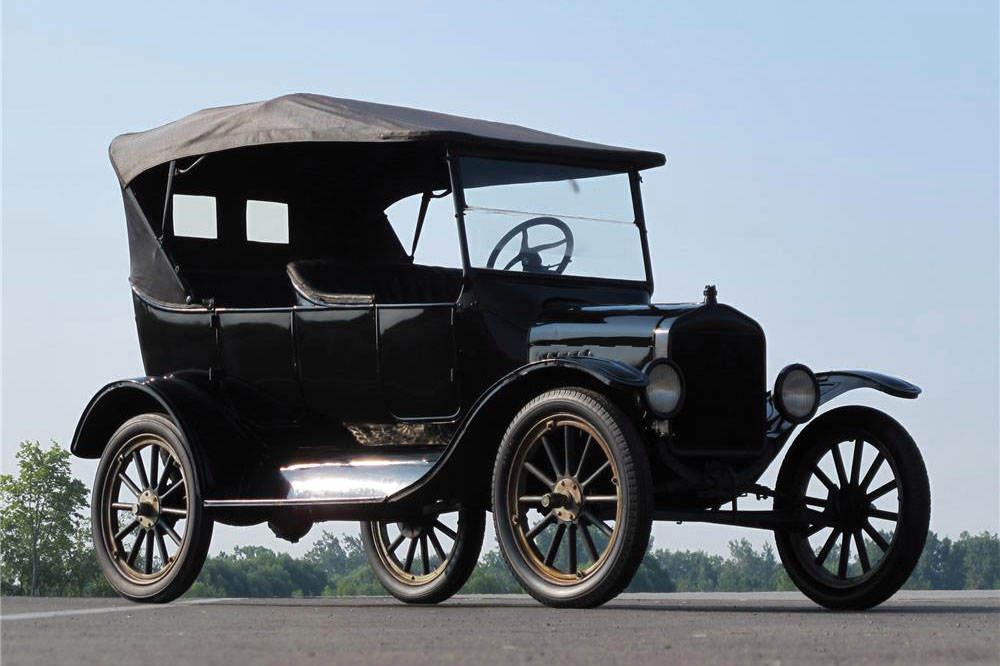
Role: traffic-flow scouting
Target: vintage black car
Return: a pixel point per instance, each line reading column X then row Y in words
column 302, row 366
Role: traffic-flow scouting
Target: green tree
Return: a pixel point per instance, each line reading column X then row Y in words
column 746, row 570
column 358, row 583
column 652, row 575
column 334, row 557
column 934, row 571
column 978, row 558
column 255, row 571
column 491, row 576
column 691, row 571
column 46, row 542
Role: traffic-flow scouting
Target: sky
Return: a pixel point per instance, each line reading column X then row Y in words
column 832, row 167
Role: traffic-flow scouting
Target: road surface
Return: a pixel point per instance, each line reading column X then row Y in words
column 765, row 628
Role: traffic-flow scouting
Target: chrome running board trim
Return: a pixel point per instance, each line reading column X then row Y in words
column 348, row 478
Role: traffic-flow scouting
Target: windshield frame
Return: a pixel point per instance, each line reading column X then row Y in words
column 454, row 158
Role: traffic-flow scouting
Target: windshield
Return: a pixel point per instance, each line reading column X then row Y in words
column 546, row 218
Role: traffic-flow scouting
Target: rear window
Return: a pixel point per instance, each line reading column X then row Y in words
column 194, row 216
column 267, row 221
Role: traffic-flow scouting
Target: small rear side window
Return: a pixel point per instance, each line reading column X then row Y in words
column 267, row 221
column 194, row 216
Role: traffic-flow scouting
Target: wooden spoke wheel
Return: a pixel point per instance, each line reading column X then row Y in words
column 150, row 530
column 862, row 470
column 427, row 559
column 572, row 499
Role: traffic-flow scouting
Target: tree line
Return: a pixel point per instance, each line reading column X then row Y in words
column 47, row 551
column 336, row 566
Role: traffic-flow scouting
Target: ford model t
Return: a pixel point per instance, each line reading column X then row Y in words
column 302, row 365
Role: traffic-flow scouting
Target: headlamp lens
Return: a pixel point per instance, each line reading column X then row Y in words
column 665, row 389
column 797, row 393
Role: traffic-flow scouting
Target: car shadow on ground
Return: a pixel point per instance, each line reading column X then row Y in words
column 945, row 608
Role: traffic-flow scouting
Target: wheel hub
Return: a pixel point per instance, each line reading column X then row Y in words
column 411, row 530
column 850, row 506
column 566, row 499
column 147, row 509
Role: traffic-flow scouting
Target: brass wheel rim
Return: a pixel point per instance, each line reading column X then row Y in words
column 145, row 509
column 564, row 473
column 417, row 552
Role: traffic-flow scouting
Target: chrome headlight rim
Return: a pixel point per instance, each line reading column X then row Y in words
column 778, row 398
column 652, row 365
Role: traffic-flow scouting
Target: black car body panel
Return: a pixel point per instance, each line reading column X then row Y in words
column 293, row 365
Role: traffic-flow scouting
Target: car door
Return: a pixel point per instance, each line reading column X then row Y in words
column 256, row 359
column 338, row 362
column 417, row 360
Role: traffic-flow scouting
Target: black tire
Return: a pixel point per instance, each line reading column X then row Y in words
column 179, row 485
column 581, row 418
column 850, row 507
column 451, row 568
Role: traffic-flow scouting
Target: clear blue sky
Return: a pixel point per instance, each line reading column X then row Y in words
column 833, row 167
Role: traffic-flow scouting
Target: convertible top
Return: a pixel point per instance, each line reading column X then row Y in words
column 303, row 117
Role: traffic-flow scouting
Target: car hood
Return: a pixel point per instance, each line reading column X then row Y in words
column 619, row 332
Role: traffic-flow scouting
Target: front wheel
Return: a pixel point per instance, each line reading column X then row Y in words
column 425, row 559
column 151, row 532
column 572, row 499
column 863, row 471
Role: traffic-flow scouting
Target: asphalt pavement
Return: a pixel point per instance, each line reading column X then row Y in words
column 762, row 628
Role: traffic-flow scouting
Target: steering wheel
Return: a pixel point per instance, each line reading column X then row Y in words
column 528, row 255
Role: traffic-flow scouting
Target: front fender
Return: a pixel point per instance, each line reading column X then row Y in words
column 613, row 374
column 220, row 442
column 463, row 471
column 836, row 382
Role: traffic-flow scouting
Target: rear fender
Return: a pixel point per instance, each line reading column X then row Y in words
column 464, row 472
column 189, row 401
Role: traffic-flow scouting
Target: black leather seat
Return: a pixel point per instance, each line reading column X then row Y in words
column 241, row 289
column 335, row 282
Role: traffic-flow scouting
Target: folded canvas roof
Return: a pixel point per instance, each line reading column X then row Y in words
column 303, row 117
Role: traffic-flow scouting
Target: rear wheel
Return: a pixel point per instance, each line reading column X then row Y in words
column 864, row 472
column 151, row 532
column 572, row 500
column 427, row 559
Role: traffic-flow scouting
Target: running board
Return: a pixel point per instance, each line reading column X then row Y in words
column 354, row 477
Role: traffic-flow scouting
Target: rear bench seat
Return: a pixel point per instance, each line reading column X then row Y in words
column 332, row 282
column 241, row 288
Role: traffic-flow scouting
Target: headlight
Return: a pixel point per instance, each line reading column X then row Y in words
column 665, row 392
column 796, row 393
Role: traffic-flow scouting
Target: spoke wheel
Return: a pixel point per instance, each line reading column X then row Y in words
column 862, row 471
column 564, row 501
column 146, row 508
column 149, row 527
column 425, row 559
column 571, row 503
